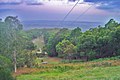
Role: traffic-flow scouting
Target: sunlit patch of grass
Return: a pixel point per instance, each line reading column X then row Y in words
column 103, row 70
column 106, row 73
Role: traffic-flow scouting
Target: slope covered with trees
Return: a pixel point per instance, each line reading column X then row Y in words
column 17, row 49
column 99, row 42
column 15, row 46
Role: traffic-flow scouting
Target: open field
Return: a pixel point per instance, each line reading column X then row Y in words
column 94, row 70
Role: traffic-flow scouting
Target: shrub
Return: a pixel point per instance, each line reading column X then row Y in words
column 5, row 62
column 5, row 68
column 5, row 74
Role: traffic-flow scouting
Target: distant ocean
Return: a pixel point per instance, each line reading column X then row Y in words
column 59, row 24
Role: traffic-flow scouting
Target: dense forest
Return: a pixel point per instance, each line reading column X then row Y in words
column 99, row 42
column 17, row 48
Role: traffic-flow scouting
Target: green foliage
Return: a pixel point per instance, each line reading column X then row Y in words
column 71, row 61
column 5, row 68
column 5, row 62
column 13, row 38
column 55, row 39
column 95, row 43
column 109, row 58
column 35, row 33
column 65, row 48
column 5, row 74
column 74, row 36
column 111, row 24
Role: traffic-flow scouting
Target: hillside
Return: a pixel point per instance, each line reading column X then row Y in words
column 107, row 69
column 59, row 40
column 38, row 35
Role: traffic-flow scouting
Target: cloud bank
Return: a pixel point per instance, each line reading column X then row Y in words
column 10, row 2
column 110, row 5
column 37, row 2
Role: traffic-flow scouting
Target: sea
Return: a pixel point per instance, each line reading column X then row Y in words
column 40, row 24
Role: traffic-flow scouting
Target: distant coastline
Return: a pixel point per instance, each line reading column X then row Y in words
column 84, row 25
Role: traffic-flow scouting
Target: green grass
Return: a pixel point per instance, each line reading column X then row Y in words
column 74, row 72
column 97, row 73
column 110, row 58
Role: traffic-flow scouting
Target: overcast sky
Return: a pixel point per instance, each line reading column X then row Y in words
column 99, row 10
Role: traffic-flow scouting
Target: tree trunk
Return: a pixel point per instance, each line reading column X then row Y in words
column 15, row 62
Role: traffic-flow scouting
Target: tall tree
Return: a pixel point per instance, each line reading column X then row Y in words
column 75, row 35
column 65, row 49
column 55, row 39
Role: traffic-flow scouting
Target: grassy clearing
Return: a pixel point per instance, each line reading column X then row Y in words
column 95, row 70
column 39, row 42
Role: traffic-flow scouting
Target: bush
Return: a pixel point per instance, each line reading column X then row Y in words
column 72, row 61
column 5, row 68
column 63, row 68
column 5, row 62
column 108, row 58
column 5, row 74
